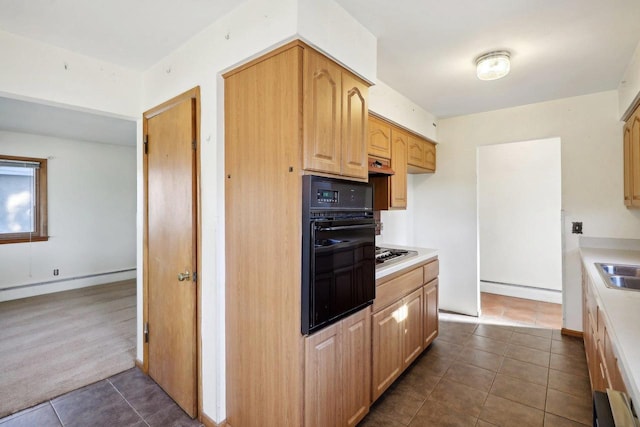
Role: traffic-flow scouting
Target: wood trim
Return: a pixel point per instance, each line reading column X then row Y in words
column 208, row 421
column 571, row 333
column 40, row 234
column 193, row 94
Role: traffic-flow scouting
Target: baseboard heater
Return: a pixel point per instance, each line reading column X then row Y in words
column 68, row 279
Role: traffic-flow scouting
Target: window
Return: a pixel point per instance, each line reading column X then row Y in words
column 23, row 199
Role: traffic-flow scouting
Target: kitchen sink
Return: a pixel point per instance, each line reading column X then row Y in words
column 618, row 276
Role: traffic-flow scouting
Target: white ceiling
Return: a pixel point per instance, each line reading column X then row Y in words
column 133, row 33
column 560, row 48
column 426, row 48
column 40, row 119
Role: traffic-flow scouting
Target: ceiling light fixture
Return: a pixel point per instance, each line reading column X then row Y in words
column 493, row 65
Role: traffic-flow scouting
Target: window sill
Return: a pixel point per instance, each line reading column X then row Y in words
column 8, row 240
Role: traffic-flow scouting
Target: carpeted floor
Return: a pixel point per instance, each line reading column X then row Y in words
column 52, row 344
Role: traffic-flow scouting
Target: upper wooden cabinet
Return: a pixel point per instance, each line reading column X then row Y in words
column 399, row 151
column 335, row 112
column 421, row 156
column 632, row 160
column 379, row 138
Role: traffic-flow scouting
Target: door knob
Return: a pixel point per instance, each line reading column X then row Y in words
column 184, row 276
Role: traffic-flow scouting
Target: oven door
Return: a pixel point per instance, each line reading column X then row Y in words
column 342, row 270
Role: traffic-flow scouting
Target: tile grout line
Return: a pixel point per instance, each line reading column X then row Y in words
column 128, row 403
column 56, row 412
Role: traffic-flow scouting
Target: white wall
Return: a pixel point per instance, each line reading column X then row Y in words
column 255, row 27
column 519, row 215
column 34, row 70
column 445, row 215
column 385, row 101
column 91, row 216
column 629, row 88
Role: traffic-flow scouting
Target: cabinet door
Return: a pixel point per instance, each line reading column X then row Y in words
column 356, row 366
column 355, row 113
column 322, row 113
column 627, row 164
column 430, row 156
column 323, row 378
column 387, row 341
column 412, row 326
column 416, row 155
column 399, row 145
column 430, row 312
column 379, row 138
column 635, row 159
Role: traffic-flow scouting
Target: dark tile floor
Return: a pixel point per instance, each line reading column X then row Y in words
column 481, row 374
column 128, row 399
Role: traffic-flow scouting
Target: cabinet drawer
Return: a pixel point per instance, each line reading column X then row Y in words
column 431, row 271
column 394, row 289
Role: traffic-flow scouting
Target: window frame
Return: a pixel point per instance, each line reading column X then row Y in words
column 40, row 223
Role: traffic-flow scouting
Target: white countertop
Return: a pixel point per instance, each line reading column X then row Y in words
column 621, row 310
column 423, row 255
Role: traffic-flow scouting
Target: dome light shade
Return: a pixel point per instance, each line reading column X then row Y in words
column 493, row 65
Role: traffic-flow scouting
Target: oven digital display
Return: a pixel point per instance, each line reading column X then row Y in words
column 327, row 196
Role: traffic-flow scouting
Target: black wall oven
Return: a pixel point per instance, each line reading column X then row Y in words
column 338, row 250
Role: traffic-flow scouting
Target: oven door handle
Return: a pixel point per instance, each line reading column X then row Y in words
column 345, row 227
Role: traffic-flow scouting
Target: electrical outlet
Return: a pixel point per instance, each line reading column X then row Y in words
column 576, row 227
column 56, row 272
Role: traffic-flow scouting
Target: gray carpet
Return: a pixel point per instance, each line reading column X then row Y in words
column 52, row 344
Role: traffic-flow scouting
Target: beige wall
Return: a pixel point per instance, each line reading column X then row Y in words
column 443, row 208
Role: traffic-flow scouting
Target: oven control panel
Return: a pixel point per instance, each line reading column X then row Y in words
column 327, row 196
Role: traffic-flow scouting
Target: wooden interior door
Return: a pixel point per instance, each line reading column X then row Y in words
column 171, row 252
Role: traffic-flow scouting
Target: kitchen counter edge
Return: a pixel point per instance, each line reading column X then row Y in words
column 424, row 254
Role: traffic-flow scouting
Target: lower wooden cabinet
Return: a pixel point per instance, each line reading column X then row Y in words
column 602, row 362
column 430, row 331
column 404, row 327
column 338, row 373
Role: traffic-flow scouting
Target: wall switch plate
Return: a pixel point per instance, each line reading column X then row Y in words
column 576, row 227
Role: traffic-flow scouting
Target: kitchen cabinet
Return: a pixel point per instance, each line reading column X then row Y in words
column 430, row 312
column 337, row 372
column 335, row 119
column 631, row 141
column 407, row 152
column 602, row 362
column 404, row 312
column 399, row 147
column 421, row 155
column 379, row 138
column 287, row 111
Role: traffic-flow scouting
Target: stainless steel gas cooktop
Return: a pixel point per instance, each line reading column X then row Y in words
column 385, row 256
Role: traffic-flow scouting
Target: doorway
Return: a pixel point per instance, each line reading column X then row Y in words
column 520, row 220
column 171, row 289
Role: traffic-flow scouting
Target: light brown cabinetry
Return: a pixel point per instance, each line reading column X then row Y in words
column 285, row 111
column 379, row 138
column 421, row 155
column 407, row 152
column 337, row 372
column 404, row 312
column 399, row 147
column 602, row 361
column 631, row 138
column 430, row 312
column 335, row 118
